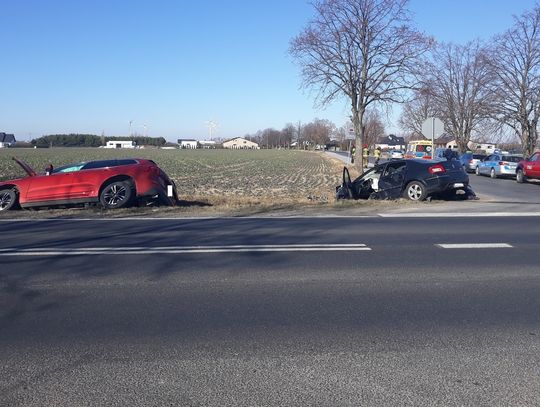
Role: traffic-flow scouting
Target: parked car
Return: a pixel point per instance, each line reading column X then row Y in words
column 469, row 161
column 413, row 179
column 395, row 154
column 528, row 168
column 498, row 165
column 112, row 183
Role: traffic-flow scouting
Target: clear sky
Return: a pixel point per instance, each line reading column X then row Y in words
column 92, row 66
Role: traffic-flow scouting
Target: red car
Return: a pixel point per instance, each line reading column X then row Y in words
column 528, row 168
column 112, row 183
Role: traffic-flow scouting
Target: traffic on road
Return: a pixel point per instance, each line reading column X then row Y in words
column 504, row 172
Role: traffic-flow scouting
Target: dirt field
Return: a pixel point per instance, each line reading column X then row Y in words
column 214, row 180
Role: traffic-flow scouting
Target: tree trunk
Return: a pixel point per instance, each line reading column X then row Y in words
column 357, row 119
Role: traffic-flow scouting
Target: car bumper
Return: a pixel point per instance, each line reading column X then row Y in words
column 507, row 171
column 167, row 196
column 447, row 183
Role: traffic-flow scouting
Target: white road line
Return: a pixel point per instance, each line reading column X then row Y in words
column 459, row 215
column 475, row 245
column 81, row 251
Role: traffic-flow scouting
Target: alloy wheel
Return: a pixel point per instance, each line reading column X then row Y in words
column 115, row 195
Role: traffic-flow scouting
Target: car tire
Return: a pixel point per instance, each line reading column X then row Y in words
column 9, row 199
column 492, row 173
column 477, row 171
column 415, row 191
column 116, row 195
column 520, row 177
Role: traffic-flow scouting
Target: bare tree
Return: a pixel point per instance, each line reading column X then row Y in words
column 287, row 134
column 373, row 128
column 416, row 111
column 457, row 79
column 363, row 50
column 318, row 132
column 515, row 63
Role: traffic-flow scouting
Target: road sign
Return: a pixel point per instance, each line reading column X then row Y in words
column 431, row 127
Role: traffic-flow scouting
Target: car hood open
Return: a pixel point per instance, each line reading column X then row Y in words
column 29, row 170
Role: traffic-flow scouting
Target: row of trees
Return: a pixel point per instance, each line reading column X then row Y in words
column 318, row 132
column 370, row 53
column 91, row 140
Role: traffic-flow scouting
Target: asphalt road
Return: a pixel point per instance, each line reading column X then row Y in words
column 270, row 312
column 505, row 189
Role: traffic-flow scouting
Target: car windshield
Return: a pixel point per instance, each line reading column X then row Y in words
column 373, row 173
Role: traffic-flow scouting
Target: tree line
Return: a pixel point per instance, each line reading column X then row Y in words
column 92, row 140
column 318, row 132
column 369, row 53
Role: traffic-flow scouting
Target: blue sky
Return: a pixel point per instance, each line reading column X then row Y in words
column 92, row 66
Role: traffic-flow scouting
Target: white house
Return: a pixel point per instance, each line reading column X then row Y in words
column 239, row 143
column 188, row 143
column 391, row 142
column 120, row 144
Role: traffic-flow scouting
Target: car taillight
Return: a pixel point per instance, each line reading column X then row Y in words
column 503, row 163
column 436, row 169
column 427, row 157
column 471, row 161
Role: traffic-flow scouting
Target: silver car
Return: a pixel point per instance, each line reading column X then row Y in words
column 499, row 165
column 471, row 160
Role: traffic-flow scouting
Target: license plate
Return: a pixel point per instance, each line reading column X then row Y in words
column 459, row 185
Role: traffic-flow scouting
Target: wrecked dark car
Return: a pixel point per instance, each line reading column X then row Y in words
column 412, row 179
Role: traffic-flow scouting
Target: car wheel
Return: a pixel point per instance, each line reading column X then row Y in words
column 8, row 199
column 116, row 195
column 415, row 191
column 477, row 171
column 520, row 177
column 492, row 173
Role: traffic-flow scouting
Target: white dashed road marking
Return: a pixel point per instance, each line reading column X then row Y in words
column 475, row 245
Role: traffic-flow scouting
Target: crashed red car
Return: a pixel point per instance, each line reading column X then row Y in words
column 113, row 183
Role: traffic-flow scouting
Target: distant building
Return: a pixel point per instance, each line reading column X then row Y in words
column 391, row 142
column 239, row 143
column 489, row 148
column 207, row 144
column 188, row 143
column 446, row 141
column 120, row 144
column 7, row 140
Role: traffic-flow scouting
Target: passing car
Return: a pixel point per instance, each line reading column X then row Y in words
column 414, row 179
column 469, row 161
column 395, row 154
column 499, row 165
column 528, row 168
column 113, row 183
